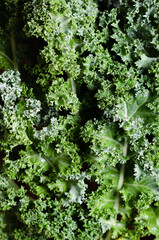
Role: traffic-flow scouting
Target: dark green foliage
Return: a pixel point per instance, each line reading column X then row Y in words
column 79, row 85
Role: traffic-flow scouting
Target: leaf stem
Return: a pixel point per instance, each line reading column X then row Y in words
column 13, row 184
column 120, row 184
column 108, row 3
column 73, row 86
column 108, row 235
column 125, row 149
column 126, row 111
column 48, row 161
column 14, row 51
column 121, row 178
column 6, row 57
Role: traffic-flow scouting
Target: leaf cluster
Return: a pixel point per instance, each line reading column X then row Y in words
column 79, row 85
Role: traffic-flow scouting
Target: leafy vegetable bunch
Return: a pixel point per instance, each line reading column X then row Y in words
column 79, row 119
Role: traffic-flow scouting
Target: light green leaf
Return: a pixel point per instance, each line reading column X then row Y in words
column 59, row 161
column 145, row 62
column 106, row 137
column 132, row 188
column 127, row 109
column 112, row 224
column 151, row 215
